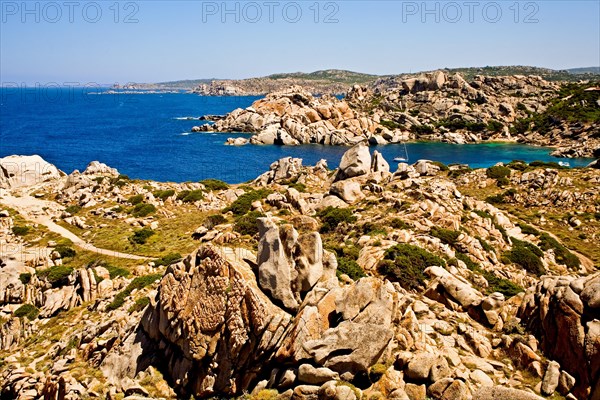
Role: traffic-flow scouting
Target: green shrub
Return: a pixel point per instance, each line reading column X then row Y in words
column 190, row 196
column 561, row 254
column 497, row 172
column 74, row 209
column 243, row 204
column 167, row 260
column 528, row 229
column 213, row 220
column 405, row 264
column 25, row 278
column 517, row 165
column 398, row 223
column 143, row 210
column 494, row 126
column 441, row 165
column 27, row 310
column 141, row 236
column 137, row 199
column 447, row 236
column 527, row 256
column 246, row 224
column 471, row 265
column 495, row 284
column 496, row 199
column 373, row 229
column 163, row 194
column 301, row 187
column 214, row 184
column 138, row 283
column 139, row 304
column 65, row 251
column 333, row 216
column 115, row 272
column 350, row 267
column 20, row 230
column 422, row 129
column 57, row 276
column 483, row 214
column 485, row 245
column 501, row 182
column 544, row 164
column 376, row 372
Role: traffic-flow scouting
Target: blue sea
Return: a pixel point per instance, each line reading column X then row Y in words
column 147, row 136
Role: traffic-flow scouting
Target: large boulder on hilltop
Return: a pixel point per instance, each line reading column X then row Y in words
column 215, row 326
column 97, row 168
column 24, row 171
column 564, row 314
column 355, row 162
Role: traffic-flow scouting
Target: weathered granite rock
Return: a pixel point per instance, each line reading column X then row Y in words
column 217, row 326
column 566, row 324
column 355, row 162
column 23, row 171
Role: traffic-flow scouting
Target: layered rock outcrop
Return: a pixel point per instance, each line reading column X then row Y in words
column 564, row 313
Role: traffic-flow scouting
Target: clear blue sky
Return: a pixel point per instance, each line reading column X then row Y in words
column 189, row 39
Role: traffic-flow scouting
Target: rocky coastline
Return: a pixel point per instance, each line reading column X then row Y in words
column 433, row 107
column 369, row 281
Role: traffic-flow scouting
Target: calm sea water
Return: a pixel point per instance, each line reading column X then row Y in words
column 146, row 136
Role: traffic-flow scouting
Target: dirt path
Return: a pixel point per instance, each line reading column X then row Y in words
column 33, row 210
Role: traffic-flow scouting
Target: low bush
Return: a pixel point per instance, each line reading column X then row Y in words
column 138, row 283
column 527, row 256
column 376, row 372
column 528, row 229
column 27, row 311
column 494, row 126
column 246, row 224
column 163, row 194
column 485, row 245
column 25, row 278
column 301, row 187
column 20, row 230
column 74, row 209
column 141, row 236
column 142, row 210
column 441, row 165
column 561, row 254
column 243, row 204
column 333, row 216
column 447, row 236
column 65, row 251
column 115, row 272
column 190, row 196
column 139, row 304
column 57, row 276
column 398, row 223
column 213, row 220
column 137, row 199
column 167, row 260
column 422, row 129
column 348, row 266
column 214, row 184
column 497, row 172
column 517, row 165
column 545, row 164
column 495, row 284
column 405, row 264
column 373, row 229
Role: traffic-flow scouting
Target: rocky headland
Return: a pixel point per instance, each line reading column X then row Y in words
column 369, row 281
column 436, row 106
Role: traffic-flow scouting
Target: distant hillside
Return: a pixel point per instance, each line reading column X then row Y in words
column 586, row 70
column 330, row 81
column 334, row 81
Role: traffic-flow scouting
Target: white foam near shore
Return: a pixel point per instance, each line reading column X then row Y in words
column 188, row 118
